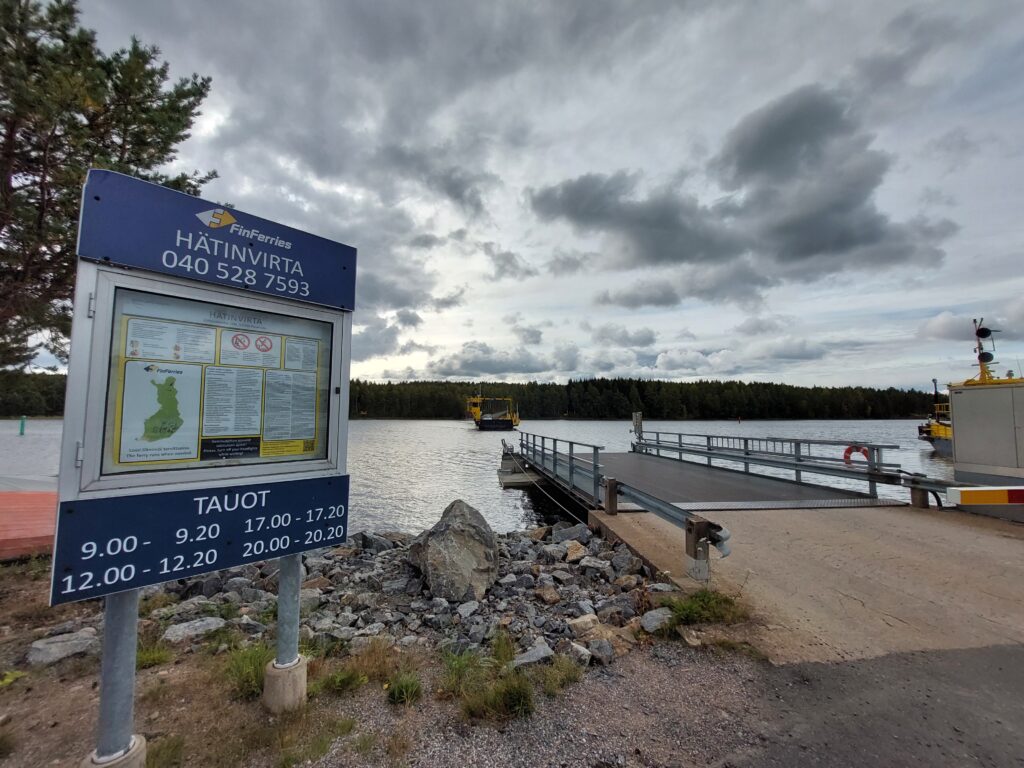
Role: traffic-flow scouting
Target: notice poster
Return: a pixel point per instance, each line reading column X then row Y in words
column 160, row 408
column 196, row 384
column 248, row 348
column 290, row 406
column 301, row 354
column 232, row 401
column 158, row 340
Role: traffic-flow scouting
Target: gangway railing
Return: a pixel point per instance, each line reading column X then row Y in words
column 798, row 455
column 576, row 468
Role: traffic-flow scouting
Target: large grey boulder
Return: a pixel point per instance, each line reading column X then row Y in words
column 458, row 556
column 191, row 630
column 540, row 651
column 50, row 650
column 655, row 620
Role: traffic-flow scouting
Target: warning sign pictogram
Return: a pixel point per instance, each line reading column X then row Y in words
column 240, row 341
column 264, row 344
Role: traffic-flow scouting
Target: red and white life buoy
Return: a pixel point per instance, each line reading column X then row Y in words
column 852, row 450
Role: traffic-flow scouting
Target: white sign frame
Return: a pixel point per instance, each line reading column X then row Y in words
column 88, row 380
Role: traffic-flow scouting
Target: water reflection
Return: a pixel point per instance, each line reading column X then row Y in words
column 404, row 473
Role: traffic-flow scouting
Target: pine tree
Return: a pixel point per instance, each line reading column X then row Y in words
column 66, row 107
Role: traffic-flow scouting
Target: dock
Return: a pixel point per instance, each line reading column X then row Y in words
column 27, row 520
column 831, row 573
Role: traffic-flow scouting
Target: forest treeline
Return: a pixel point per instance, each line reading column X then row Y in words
column 40, row 394
column 618, row 398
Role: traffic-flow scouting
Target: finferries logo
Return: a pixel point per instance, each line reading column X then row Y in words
column 215, row 218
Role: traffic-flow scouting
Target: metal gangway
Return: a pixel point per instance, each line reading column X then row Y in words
column 781, row 462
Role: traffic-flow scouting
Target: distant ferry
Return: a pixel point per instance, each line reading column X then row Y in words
column 492, row 413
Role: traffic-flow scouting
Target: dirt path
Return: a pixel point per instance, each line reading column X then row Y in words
column 839, row 584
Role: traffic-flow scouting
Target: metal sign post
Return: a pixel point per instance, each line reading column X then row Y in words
column 206, row 417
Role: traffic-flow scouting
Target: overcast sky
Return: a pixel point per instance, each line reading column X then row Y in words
column 804, row 192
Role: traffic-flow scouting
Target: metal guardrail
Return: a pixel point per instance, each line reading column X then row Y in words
column 583, row 478
column 796, row 454
column 577, row 474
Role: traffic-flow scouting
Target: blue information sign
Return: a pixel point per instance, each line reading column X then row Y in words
column 109, row 545
column 133, row 223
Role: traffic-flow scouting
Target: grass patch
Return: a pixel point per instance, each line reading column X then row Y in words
column 227, row 611
column 364, row 743
column 705, row 606
column 152, row 652
column 404, row 687
column 8, row 677
column 225, row 636
column 503, row 650
column 327, row 648
column 301, row 741
column 562, row 672
column 157, row 694
column 155, row 602
column 397, row 746
column 508, row 697
column 245, row 669
column 168, row 752
column 342, row 681
column 463, row 673
column 6, row 745
column 378, row 661
column 486, row 687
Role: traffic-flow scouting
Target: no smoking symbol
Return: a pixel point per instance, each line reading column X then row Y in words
column 264, row 344
column 240, row 341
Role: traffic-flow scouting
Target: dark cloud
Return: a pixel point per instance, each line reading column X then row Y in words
column 463, row 187
column 477, row 358
column 566, row 357
column 566, row 263
column 760, row 325
column 377, row 338
column 528, row 335
column 409, row 347
column 955, row 148
column 407, row 318
column 908, row 39
column 450, row 300
column 663, row 227
column 620, row 336
column 378, row 293
column 641, row 294
column 507, row 263
column 426, row 241
column 790, row 349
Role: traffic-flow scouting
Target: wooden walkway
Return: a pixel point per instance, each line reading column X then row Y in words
column 27, row 520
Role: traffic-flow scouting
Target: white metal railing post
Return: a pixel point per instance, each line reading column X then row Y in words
column 746, row 452
column 597, row 480
column 707, row 447
column 796, row 455
column 572, row 467
column 657, row 447
column 872, row 468
column 554, row 459
column 680, row 436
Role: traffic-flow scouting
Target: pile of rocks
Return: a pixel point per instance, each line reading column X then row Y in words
column 552, row 589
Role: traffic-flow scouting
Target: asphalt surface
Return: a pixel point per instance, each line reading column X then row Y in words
column 922, row 708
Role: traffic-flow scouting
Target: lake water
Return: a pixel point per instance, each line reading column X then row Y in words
column 404, row 473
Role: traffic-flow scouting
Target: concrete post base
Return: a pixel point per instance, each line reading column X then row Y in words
column 284, row 690
column 919, row 498
column 133, row 758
